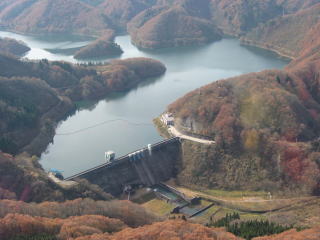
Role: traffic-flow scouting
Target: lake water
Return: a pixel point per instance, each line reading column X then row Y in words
column 123, row 122
column 43, row 47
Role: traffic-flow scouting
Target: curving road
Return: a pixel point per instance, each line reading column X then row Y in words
column 172, row 130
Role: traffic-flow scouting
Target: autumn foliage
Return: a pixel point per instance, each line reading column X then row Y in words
column 148, row 29
column 264, row 124
column 11, row 46
column 103, row 47
column 309, row 234
column 93, row 227
column 169, row 230
column 266, row 23
column 86, row 219
column 16, row 224
column 57, row 83
column 281, row 34
column 131, row 214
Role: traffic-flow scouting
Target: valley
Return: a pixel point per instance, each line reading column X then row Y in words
column 83, row 87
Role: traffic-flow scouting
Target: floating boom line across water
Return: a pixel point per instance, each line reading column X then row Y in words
column 103, row 123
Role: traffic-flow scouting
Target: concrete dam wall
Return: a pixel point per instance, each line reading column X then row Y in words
column 147, row 167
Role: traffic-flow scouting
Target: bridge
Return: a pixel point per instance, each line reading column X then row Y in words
column 147, row 167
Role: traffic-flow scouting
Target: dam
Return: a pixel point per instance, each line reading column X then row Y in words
column 142, row 168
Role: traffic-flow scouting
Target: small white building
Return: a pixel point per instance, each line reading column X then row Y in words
column 109, row 156
column 167, row 119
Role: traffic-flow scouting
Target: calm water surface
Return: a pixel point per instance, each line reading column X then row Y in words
column 43, row 47
column 123, row 122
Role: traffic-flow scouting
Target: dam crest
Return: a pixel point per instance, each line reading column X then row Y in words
column 144, row 167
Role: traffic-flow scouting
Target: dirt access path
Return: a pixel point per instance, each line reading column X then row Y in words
column 248, row 204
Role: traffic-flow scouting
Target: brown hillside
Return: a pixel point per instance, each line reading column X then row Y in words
column 172, row 28
column 23, row 179
column 48, row 16
column 11, row 46
column 266, row 126
column 238, row 17
column 285, row 34
column 309, row 234
column 14, row 225
column 28, row 122
column 131, row 214
column 291, row 6
column 169, row 230
column 76, row 16
column 310, row 47
column 93, row 227
column 97, row 227
column 102, row 47
column 121, row 12
column 24, row 111
column 195, row 24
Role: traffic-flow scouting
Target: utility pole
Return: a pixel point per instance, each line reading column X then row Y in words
column 270, row 197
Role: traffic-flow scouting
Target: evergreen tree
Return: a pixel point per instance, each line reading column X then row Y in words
column 248, row 229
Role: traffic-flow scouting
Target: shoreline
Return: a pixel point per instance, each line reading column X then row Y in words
column 29, row 34
column 50, row 138
column 226, row 34
column 246, row 42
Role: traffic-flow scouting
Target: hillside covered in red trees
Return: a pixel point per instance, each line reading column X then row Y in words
column 266, row 126
column 150, row 28
column 266, row 24
column 71, row 219
column 97, row 227
column 282, row 34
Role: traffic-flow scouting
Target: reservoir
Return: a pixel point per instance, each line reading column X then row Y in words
column 123, row 122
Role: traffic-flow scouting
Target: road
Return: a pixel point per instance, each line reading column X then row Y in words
column 253, row 205
column 257, row 204
column 176, row 133
column 62, row 183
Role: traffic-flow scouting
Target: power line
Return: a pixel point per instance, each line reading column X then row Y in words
column 103, row 123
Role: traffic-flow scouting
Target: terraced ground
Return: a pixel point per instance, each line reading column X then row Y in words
column 303, row 211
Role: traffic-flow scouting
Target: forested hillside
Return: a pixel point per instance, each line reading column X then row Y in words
column 49, row 17
column 36, row 95
column 23, row 179
column 70, row 219
column 11, row 46
column 150, row 28
column 282, row 34
column 102, row 47
column 263, row 23
column 266, row 126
